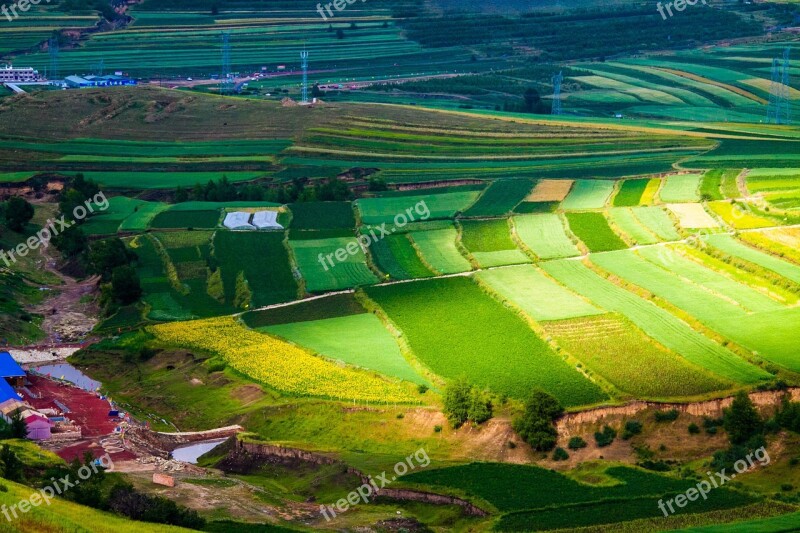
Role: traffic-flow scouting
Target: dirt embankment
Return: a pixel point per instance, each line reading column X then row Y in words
column 250, row 454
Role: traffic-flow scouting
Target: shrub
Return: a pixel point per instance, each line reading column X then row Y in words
column 576, row 443
column 786, row 487
column 632, row 427
column 560, row 454
column 463, row 402
column 437, row 428
column 606, row 437
column 694, row 429
column 667, row 416
column 741, row 420
column 422, row 389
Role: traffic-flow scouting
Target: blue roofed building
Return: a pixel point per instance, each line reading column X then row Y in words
column 10, row 371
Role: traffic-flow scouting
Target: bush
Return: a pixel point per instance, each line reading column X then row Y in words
column 694, row 429
column 667, row 416
column 422, row 389
column 741, row 420
column 535, row 426
column 560, row 454
column 576, row 443
column 632, row 427
column 787, row 487
column 464, row 402
column 606, row 437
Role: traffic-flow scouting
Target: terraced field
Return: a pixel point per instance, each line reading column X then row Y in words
column 594, row 231
column 545, row 235
column 319, row 275
column 489, row 242
column 588, row 194
column 681, row 188
column 438, row 250
column 500, row 198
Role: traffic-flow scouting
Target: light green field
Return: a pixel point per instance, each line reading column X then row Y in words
column 359, row 340
column 438, row 250
column 352, row 272
column 731, row 246
column 624, row 219
column 656, row 220
column 489, row 242
column 546, row 236
column 380, row 210
column 537, row 294
column 681, row 188
column 655, row 322
column 588, row 194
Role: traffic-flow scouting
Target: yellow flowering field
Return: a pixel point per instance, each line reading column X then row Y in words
column 281, row 365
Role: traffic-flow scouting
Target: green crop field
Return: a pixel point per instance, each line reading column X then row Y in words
column 439, row 250
column 500, row 198
column 594, row 231
column 398, row 210
column 319, row 275
column 655, row 322
column 375, row 348
column 648, row 370
column 489, row 242
column 442, row 320
column 630, row 193
column 173, row 219
column 322, row 215
column 545, row 235
column 711, row 186
column 396, row 256
column 536, row 294
column 625, row 219
column 323, row 308
column 589, row 194
column 681, row 188
column 656, row 220
column 731, row 246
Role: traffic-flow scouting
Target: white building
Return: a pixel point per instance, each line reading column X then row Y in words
column 266, row 220
column 9, row 74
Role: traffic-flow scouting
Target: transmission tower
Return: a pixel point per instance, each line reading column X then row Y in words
column 52, row 46
column 226, row 81
column 558, row 79
column 779, row 110
column 304, row 64
column 99, row 67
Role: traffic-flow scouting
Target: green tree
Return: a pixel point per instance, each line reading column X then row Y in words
column 108, row 254
column 243, row 296
column 214, row 286
column 12, row 466
column 18, row 427
column 741, row 420
column 18, row 213
column 535, row 426
column 480, row 406
column 125, row 285
column 72, row 242
column 457, row 399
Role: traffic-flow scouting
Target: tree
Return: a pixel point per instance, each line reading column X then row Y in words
column 125, row 285
column 12, row 466
column 480, row 406
column 71, row 242
column 18, row 213
column 457, row 402
column 181, row 195
column 532, row 100
column 108, row 254
column 535, row 426
column 741, row 420
column 243, row 295
column 18, row 427
column 316, row 92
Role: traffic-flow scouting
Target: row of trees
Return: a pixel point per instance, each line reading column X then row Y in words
column 299, row 190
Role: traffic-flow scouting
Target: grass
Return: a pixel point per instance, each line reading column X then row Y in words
column 594, row 231
column 438, row 250
column 588, row 194
column 625, row 219
column 731, row 246
column 536, row 294
column 630, row 193
column 489, row 242
column 545, row 235
column 352, row 272
column 500, row 198
column 648, row 370
column 396, row 256
column 711, row 186
column 657, row 323
column 442, row 321
column 681, row 188
column 322, row 215
column 393, row 209
column 335, row 306
column 729, row 187
column 333, row 338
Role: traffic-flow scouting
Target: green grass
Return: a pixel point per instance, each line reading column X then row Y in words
column 393, row 210
column 630, row 193
column 335, row 306
column 681, row 188
column 545, row 236
column 489, row 242
column 535, row 293
column 594, row 231
column 711, row 186
column 729, row 187
column 731, row 246
column 333, row 338
column 775, row 524
column 396, row 256
column 444, row 322
column 588, row 194
column 352, row 272
column 625, row 219
column 265, row 263
column 648, row 370
column 322, row 215
column 500, row 198
column 656, row 220
column 439, row 250
column 655, row 322
column 186, row 219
